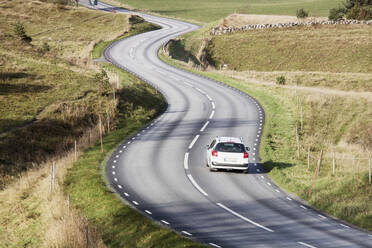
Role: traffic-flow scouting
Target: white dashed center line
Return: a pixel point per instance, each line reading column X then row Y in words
column 211, row 116
column 165, row 222
column 148, row 212
column 244, row 218
column 302, row 206
column 186, row 161
column 214, row 245
column 213, row 105
column 305, row 244
column 345, row 226
column 187, row 233
column 205, row 125
column 193, row 141
column 321, row 216
column 135, row 203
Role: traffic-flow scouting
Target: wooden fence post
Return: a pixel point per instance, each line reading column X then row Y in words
column 316, row 172
column 100, row 132
column 86, row 237
column 370, row 169
column 75, row 151
column 52, row 176
column 333, row 164
column 298, row 143
column 302, row 117
column 308, row 157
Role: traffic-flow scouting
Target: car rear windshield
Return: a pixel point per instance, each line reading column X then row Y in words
column 230, row 147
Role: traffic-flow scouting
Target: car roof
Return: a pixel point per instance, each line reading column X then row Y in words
column 229, row 139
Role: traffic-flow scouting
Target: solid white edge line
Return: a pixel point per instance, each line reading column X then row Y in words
column 187, row 233
column 186, row 160
column 213, row 244
column 193, row 141
column 196, row 185
column 305, row 244
column 244, row 218
column 205, row 125
column 211, row 116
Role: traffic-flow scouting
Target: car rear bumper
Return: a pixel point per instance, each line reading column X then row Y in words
column 216, row 165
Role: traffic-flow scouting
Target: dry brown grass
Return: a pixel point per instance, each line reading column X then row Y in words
column 33, row 216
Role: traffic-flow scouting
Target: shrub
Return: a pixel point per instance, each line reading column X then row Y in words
column 280, row 80
column 135, row 19
column 353, row 9
column 19, row 30
column 45, row 47
column 102, row 79
column 301, row 13
column 336, row 14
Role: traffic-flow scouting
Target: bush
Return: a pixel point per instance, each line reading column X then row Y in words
column 336, row 14
column 102, row 79
column 19, row 30
column 301, row 13
column 45, row 47
column 280, row 80
column 353, row 9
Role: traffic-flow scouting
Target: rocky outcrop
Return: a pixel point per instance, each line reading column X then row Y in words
column 223, row 30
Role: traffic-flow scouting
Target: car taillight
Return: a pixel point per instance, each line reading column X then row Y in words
column 246, row 155
column 214, row 153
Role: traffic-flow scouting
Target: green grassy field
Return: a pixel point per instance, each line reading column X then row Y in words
column 212, row 10
column 296, row 49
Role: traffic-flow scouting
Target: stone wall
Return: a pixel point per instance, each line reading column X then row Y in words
column 223, row 30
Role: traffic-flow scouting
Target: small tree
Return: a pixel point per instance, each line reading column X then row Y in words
column 102, row 79
column 301, row 13
column 280, row 80
column 19, row 30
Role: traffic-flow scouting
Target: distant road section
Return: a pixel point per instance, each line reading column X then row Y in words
column 161, row 170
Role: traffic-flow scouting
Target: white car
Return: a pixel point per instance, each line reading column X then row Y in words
column 227, row 153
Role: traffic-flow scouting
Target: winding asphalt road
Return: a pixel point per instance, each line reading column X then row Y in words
column 161, row 170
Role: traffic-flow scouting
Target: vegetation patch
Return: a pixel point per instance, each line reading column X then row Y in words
column 213, row 10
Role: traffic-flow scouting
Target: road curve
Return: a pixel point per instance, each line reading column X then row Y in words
column 161, row 170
